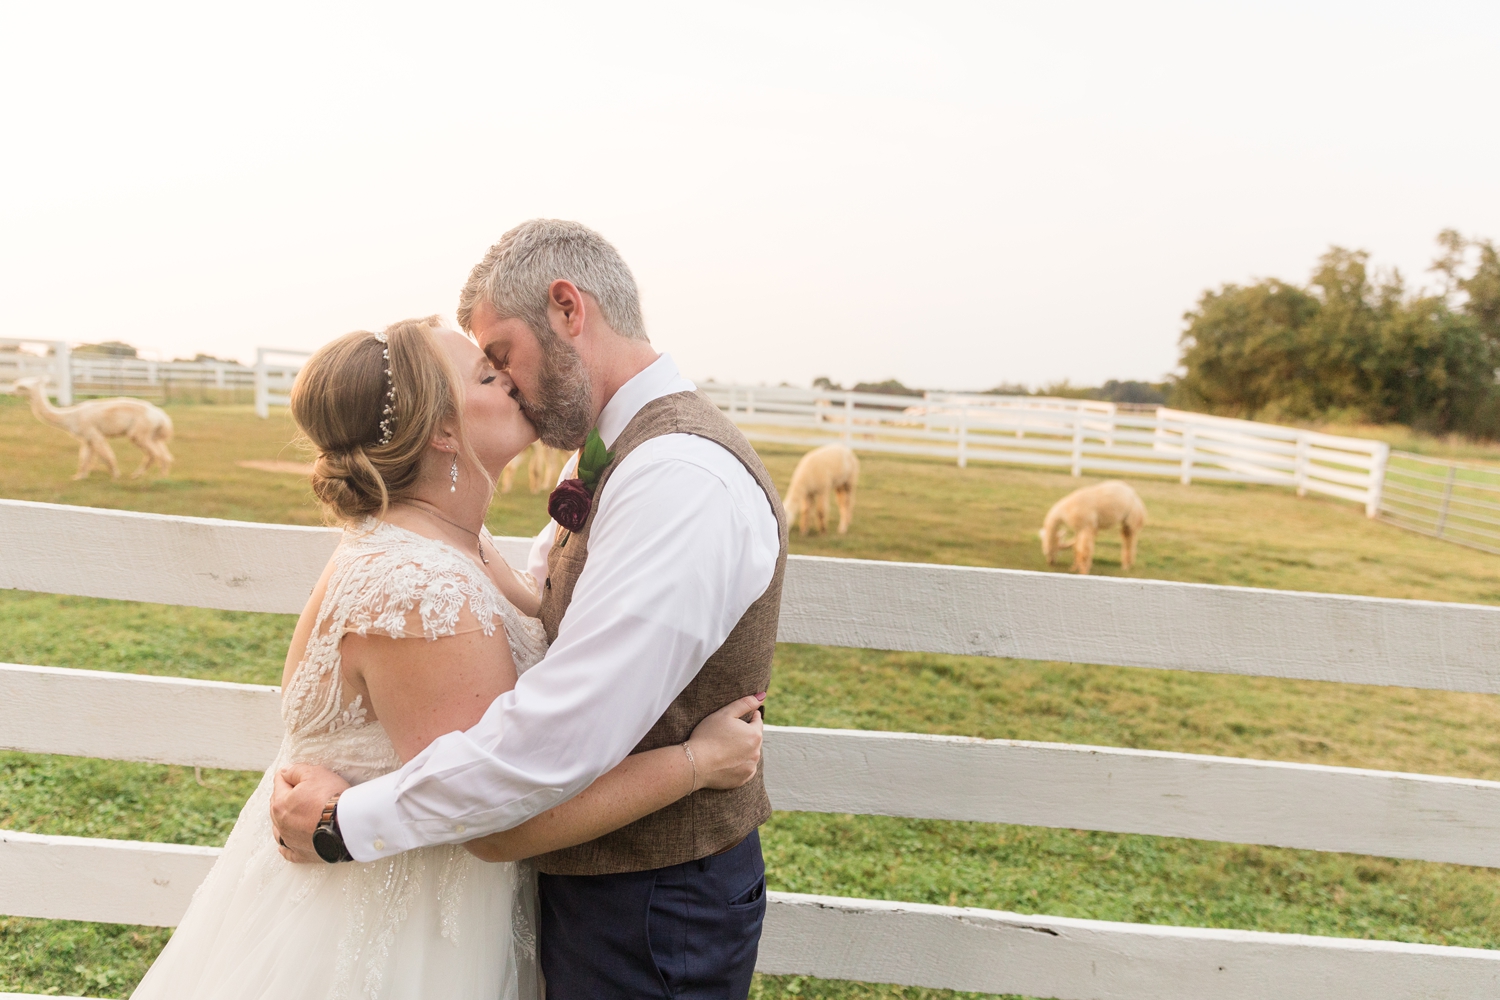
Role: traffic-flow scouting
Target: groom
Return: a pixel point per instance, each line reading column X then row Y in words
column 661, row 603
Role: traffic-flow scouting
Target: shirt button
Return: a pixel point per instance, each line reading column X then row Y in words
column 379, row 845
column 460, row 828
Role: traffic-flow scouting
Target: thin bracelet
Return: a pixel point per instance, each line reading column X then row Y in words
column 689, row 751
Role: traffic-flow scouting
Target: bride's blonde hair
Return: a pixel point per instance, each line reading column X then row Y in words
column 339, row 400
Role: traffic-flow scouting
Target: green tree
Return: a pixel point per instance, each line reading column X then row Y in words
column 1353, row 345
column 1243, row 350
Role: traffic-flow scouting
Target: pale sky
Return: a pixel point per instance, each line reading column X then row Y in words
column 951, row 194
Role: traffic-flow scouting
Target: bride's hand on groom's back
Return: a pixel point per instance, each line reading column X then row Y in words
column 726, row 745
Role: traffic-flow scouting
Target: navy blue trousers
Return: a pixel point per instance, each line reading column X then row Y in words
column 688, row 932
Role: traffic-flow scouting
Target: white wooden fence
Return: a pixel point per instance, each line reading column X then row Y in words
column 52, row 364
column 272, row 568
column 1077, row 435
column 70, row 373
column 271, row 378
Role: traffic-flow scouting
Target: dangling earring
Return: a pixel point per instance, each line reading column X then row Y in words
column 453, row 474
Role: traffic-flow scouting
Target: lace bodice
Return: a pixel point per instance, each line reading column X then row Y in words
column 388, row 581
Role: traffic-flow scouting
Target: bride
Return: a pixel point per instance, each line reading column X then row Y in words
column 415, row 627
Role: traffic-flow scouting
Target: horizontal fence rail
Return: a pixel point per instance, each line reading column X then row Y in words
column 240, row 566
column 252, row 567
column 1077, row 435
column 1455, row 501
column 87, row 713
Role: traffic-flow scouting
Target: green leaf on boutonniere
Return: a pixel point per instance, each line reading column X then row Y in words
column 593, row 460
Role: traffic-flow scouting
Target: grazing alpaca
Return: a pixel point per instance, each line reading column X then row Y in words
column 1088, row 511
column 91, row 423
column 546, row 466
column 829, row 469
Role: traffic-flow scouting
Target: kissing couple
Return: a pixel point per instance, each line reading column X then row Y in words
column 500, row 785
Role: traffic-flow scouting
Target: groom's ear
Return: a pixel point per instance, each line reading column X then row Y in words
column 567, row 308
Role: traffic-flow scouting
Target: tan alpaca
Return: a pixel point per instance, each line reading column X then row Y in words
column 546, row 466
column 1088, row 511
column 93, row 422
column 832, row 468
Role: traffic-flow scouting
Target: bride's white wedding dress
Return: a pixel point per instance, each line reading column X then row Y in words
column 433, row 922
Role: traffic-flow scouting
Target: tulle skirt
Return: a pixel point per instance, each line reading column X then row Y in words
column 433, row 922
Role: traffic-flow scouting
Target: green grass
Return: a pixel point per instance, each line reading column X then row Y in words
column 907, row 509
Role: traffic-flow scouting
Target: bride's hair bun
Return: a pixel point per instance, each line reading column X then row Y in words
column 338, row 400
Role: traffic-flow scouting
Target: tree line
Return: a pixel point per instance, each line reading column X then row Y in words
column 1353, row 344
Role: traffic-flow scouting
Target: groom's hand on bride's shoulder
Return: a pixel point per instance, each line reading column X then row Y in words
column 297, row 800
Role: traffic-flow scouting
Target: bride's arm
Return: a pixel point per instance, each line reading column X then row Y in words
column 420, row 689
column 725, row 754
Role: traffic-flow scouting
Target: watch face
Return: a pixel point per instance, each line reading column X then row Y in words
column 327, row 845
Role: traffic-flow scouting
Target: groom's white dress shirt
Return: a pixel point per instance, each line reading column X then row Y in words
column 683, row 542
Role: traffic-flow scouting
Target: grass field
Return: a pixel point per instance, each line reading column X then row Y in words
column 907, row 509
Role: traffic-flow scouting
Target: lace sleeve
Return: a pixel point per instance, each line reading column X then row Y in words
column 403, row 594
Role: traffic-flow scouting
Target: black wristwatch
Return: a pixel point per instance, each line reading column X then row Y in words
column 327, row 840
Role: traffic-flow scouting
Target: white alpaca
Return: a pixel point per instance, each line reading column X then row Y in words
column 833, row 469
column 1088, row 511
column 93, row 422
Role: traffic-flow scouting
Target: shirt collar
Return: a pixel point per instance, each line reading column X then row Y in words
column 658, row 379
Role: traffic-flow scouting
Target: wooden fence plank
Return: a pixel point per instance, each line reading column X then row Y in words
column 989, row 951
column 1308, row 806
column 72, row 878
column 197, row 561
column 835, row 602
column 1141, row 623
column 158, row 720
column 107, row 881
column 1390, row 814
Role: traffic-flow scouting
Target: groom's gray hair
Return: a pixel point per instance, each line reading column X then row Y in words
column 514, row 277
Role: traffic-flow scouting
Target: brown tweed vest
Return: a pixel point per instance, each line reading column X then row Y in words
column 709, row 820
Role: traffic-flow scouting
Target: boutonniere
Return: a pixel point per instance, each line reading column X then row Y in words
column 569, row 504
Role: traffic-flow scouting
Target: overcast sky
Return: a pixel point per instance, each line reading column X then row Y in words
column 951, row 194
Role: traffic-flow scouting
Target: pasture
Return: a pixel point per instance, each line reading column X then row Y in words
column 907, row 509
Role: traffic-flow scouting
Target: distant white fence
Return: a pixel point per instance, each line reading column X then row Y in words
column 1455, row 501
column 70, row 373
column 274, row 382
column 1077, row 435
column 52, row 364
column 272, row 568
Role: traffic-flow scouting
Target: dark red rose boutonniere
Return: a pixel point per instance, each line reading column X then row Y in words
column 570, row 503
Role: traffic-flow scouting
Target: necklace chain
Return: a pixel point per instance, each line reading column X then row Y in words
column 477, row 539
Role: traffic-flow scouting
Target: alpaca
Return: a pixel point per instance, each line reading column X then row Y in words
column 546, row 466
column 832, row 468
column 92, row 422
column 1086, row 512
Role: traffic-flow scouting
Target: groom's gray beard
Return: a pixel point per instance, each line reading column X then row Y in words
column 563, row 411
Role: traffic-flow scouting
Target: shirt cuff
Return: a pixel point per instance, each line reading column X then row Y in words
column 368, row 822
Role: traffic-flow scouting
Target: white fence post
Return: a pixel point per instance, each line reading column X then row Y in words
column 1077, row 442
column 262, row 388
column 963, row 436
column 1442, row 518
column 848, row 418
column 62, row 360
column 1299, row 473
column 1188, row 437
column 1377, row 479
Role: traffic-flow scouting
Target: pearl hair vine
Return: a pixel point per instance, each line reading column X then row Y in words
column 388, row 410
